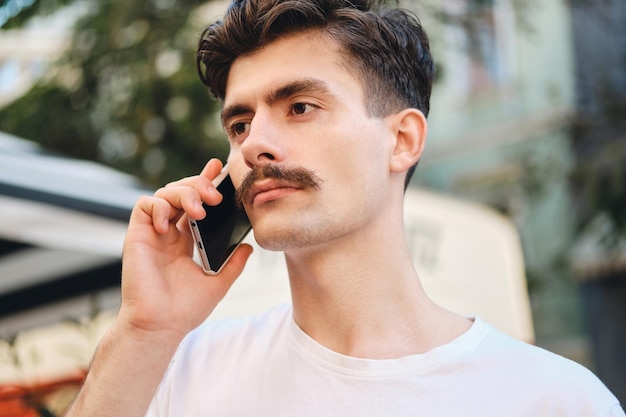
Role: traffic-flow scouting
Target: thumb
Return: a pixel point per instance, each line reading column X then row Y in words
column 234, row 267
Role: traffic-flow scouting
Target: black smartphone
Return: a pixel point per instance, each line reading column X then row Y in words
column 222, row 230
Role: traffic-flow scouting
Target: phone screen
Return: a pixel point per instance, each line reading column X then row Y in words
column 222, row 230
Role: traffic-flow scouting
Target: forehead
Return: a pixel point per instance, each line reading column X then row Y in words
column 310, row 55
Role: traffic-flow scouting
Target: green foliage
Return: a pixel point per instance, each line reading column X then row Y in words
column 42, row 114
column 126, row 93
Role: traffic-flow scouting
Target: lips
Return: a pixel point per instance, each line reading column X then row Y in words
column 269, row 189
column 271, row 181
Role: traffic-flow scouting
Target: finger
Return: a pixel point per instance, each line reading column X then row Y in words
column 183, row 197
column 212, row 169
column 234, row 267
column 183, row 226
column 203, row 186
column 185, row 232
column 155, row 211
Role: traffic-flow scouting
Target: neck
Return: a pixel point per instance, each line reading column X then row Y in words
column 362, row 297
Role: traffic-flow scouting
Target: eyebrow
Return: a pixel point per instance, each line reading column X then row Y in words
column 305, row 85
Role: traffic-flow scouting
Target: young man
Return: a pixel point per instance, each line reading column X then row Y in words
column 324, row 102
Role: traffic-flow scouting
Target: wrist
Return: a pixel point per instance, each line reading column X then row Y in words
column 126, row 371
column 129, row 334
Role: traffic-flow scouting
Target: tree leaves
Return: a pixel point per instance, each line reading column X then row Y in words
column 125, row 93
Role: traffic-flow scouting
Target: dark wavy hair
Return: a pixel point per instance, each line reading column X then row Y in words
column 387, row 46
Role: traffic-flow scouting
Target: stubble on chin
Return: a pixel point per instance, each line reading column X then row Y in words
column 283, row 236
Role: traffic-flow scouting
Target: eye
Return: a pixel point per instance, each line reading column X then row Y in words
column 302, row 108
column 238, row 129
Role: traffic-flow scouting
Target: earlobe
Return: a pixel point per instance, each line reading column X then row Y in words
column 410, row 128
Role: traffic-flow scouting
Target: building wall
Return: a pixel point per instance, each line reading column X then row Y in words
column 500, row 114
column 600, row 45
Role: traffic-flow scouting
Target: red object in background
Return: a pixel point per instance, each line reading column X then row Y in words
column 31, row 401
column 13, row 404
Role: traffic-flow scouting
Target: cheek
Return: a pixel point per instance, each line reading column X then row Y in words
column 371, row 167
column 366, row 149
column 360, row 169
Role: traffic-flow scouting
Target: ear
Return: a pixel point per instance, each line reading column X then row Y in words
column 410, row 129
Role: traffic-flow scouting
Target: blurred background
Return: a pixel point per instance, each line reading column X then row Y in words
column 100, row 102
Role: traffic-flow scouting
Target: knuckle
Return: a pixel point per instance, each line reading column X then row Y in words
column 160, row 191
column 144, row 200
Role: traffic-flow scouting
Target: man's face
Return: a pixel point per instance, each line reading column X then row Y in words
column 295, row 107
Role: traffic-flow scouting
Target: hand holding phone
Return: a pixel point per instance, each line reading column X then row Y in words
column 222, row 230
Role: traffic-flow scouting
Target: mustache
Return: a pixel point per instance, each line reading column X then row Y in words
column 297, row 176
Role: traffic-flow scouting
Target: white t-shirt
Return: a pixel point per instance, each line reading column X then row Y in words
column 267, row 366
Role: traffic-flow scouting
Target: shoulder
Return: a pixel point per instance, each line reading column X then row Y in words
column 231, row 334
column 218, row 346
column 542, row 374
column 527, row 358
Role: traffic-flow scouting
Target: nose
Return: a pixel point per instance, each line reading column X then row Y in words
column 263, row 144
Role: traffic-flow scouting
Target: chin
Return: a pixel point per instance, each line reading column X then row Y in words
column 282, row 237
column 278, row 242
